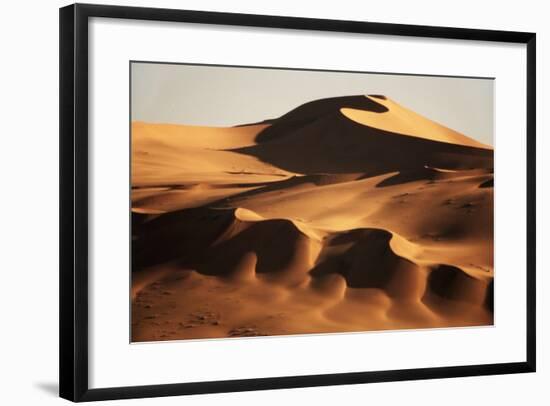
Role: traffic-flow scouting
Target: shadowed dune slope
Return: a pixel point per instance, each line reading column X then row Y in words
column 345, row 214
column 309, row 112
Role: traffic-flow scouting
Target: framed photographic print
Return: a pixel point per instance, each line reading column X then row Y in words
column 256, row 202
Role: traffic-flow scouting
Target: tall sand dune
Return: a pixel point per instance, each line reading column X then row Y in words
column 345, row 214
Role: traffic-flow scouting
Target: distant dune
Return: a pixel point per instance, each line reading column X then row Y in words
column 345, row 214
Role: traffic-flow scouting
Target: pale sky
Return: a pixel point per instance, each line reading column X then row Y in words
column 227, row 96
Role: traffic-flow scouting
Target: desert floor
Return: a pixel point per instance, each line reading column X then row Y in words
column 345, row 214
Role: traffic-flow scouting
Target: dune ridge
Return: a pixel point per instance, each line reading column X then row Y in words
column 345, row 214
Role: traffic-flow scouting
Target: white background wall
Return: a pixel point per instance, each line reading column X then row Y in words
column 29, row 203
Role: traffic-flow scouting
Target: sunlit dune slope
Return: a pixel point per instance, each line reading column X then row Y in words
column 176, row 166
column 345, row 214
column 404, row 121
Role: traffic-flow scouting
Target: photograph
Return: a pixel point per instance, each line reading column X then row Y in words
column 251, row 203
column 277, row 201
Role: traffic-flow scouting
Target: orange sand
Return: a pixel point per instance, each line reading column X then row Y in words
column 345, row 214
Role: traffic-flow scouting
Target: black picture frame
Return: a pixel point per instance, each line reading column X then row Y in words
column 73, row 253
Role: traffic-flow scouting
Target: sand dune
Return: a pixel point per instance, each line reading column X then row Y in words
column 345, row 214
column 176, row 167
column 337, row 144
